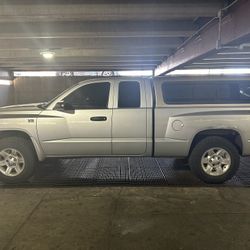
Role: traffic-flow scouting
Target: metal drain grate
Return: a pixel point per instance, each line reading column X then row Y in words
column 134, row 170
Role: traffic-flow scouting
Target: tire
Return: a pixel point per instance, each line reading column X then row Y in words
column 214, row 160
column 18, row 154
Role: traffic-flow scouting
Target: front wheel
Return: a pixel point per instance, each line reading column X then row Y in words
column 214, row 160
column 17, row 159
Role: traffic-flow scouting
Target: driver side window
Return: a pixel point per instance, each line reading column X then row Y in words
column 90, row 96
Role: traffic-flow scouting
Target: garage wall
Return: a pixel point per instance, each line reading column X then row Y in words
column 6, row 95
column 40, row 89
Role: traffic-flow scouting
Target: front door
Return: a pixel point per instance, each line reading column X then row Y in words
column 83, row 127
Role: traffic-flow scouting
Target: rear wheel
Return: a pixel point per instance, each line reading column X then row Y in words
column 214, row 160
column 17, row 159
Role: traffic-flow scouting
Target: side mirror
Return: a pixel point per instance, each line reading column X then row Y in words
column 63, row 106
column 59, row 105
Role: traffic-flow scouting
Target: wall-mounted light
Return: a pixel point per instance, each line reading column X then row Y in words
column 5, row 82
column 47, row 54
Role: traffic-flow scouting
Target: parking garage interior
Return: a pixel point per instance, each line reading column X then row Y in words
column 47, row 46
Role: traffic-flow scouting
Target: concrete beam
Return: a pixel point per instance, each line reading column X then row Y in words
column 59, row 10
column 58, row 64
column 66, row 53
column 55, row 64
column 234, row 28
column 81, row 64
column 97, row 29
column 90, row 59
column 89, row 43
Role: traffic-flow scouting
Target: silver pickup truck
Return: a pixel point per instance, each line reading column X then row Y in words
column 204, row 121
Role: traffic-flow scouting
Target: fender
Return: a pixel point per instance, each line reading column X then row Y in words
column 23, row 133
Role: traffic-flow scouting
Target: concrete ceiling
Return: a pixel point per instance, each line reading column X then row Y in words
column 223, row 43
column 97, row 35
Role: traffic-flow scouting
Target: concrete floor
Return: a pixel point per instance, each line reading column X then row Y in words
column 125, row 218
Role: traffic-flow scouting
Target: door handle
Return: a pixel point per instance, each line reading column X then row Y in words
column 98, row 118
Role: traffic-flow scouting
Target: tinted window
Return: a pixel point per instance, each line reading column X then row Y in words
column 91, row 96
column 206, row 92
column 129, row 95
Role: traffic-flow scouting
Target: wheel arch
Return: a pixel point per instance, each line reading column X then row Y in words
column 230, row 134
column 26, row 135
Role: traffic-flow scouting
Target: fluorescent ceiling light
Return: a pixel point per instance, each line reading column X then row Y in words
column 190, row 72
column 34, row 73
column 234, row 53
column 81, row 73
column 237, row 71
column 212, row 63
column 5, row 82
column 226, row 58
column 48, row 54
column 232, row 71
column 135, row 73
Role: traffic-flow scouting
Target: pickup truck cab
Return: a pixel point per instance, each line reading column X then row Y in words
column 204, row 120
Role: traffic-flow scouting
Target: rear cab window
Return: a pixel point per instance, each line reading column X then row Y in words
column 129, row 94
column 222, row 92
